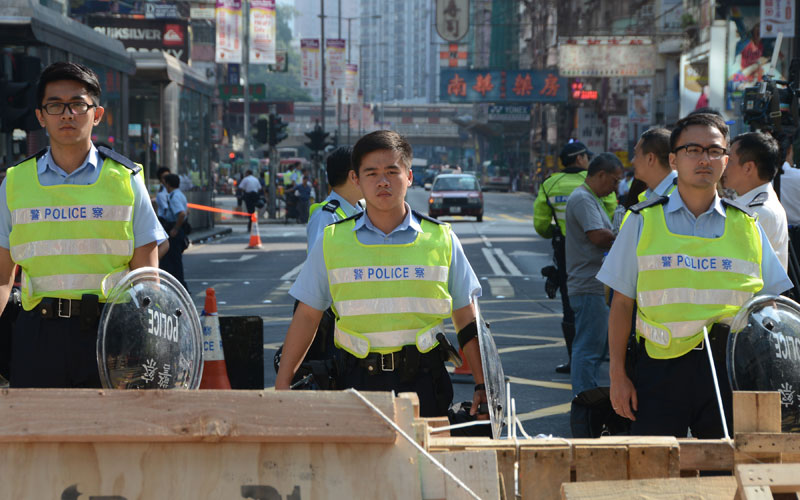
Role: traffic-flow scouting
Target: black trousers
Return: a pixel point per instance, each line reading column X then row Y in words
column 676, row 395
column 432, row 384
column 250, row 200
column 172, row 262
column 53, row 352
column 559, row 254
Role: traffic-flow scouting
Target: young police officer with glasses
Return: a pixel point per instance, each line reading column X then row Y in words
column 698, row 260
column 76, row 218
column 392, row 276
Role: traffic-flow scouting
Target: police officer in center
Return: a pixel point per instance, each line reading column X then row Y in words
column 698, row 260
column 391, row 275
column 76, row 218
column 549, row 209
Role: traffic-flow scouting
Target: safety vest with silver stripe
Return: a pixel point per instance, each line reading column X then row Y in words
column 388, row 296
column 316, row 206
column 70, row 239
column 688, row 282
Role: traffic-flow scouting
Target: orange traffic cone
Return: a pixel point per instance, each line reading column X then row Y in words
column 215, row 372
column 464, row 369
column 255, row 237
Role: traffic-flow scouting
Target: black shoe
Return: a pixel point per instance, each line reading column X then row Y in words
column 562, row 368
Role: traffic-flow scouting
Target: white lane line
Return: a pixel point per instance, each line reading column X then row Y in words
column 501, row 287
column 291, row 275
column 512, row 269
column 486, row 241
column 496, row 269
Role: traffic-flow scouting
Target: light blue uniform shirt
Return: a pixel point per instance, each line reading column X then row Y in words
column 321, row 218
column 176, row 203
column 311, row 286
column 161, row 201
column 146, row 227
column 620, row 272
column 663, row 187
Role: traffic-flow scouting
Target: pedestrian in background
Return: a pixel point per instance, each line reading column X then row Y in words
column 303, row 193
column 589, row 236
column 251, row 193
column 175, row 219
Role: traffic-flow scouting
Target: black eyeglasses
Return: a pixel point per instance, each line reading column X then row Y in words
column 695, row 151
column 76, row 108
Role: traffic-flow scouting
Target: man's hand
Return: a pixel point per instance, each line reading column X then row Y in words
column 478, row 397
column 298, row 339
column 623, row 396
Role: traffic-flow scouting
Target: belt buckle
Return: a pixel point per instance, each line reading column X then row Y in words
column 69, row 312
column 384, row 357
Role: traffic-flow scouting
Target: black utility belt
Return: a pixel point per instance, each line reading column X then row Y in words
column 55, row 308
column 407, row 360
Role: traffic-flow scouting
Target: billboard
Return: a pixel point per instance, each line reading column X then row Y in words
column 146, row 35
column 469, row 86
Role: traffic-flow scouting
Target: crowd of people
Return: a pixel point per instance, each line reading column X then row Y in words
column 697, row 230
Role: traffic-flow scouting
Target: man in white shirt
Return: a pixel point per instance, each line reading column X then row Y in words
column 251, row 187
column 790, row 189
column 753, row 161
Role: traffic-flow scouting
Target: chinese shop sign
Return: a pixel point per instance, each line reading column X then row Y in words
column 492, row 86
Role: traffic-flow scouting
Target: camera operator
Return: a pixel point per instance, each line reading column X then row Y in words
column 752, row 164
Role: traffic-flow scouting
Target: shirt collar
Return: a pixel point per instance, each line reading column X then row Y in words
column 666, row 182
column 91, row 162
column 408, row 223
column 676, row 203
column 346, row 206
column 750, row 195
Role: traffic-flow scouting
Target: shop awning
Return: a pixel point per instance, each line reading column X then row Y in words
column 24, row 22
column 159, row 66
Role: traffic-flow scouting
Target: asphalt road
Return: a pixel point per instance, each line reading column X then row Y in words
column 505, row 253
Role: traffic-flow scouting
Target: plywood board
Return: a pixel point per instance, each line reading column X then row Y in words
column 700, row 488
column 705, row 454
column 477, row 469
column 542, row 471
column 779, row 478
column 89, row 415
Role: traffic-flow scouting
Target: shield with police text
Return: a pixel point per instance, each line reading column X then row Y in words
column 493, row 376
column 764, row 353
column 150, row 336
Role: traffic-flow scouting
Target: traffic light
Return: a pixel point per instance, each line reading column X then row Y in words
column 262, row 130
column 317, row 139
column 277, row 130
column 18, row 96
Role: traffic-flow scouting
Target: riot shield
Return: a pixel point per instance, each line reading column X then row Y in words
column 763, row 353
column 150, row 336
column 493, row 376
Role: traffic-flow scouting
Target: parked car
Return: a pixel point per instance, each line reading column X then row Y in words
column 456, row 194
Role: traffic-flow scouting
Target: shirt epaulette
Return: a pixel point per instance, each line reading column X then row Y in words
column 759, row 200
column 429, row 219
column 37, row 156
column 354, row 217
column 122, row 160
column 655, row 200
column 331, row 206
column 733, row 204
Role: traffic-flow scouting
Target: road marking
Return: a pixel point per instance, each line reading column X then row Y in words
column 539, row 383
column 242, row 258
column 518, row 348
column 545, row 412
column 496, row 269
column 291, row 275
column 501, row 286
column 512, row 269
column 486, row 241
column 515, row 219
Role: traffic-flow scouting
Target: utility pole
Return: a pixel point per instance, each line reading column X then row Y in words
column 245, row 81
column 322, row 183
column 273, row 174
column 339, row 91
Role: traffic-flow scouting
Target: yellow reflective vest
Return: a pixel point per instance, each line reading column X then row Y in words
column 316, row 206
column 69, row 239
column 388, row 296
column 688, row 282
column 551, row 200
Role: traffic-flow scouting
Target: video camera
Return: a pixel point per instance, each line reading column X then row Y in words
column 772, row 106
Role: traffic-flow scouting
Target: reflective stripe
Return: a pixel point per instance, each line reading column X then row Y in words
column 666, row 262
column 66, row 282
column 36, row 214
column 361, row 274
column 394, row 305
column 679, row 329
column 381, row 340
column 71, row 247
column 669, row 296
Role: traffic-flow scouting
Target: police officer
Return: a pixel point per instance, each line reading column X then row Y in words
column 343, row 200
column 753, row 162
column 76, row 218
column 392, row 276
column 550, row 205
column 699, row 259
column 651, row 163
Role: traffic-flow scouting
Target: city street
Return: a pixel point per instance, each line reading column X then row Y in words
column 504, row 251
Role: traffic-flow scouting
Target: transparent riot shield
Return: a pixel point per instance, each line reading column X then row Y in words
column 764, row 352
column 150, row 336
column 493, row 376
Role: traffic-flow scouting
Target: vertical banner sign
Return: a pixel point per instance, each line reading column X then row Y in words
column 617, row 133
column 640, row 100
column 229, row 31
column 262, row 32
column 452, row 19
column 335, row 51
column 777, row 16
column 350, row 95
column 311, row 66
